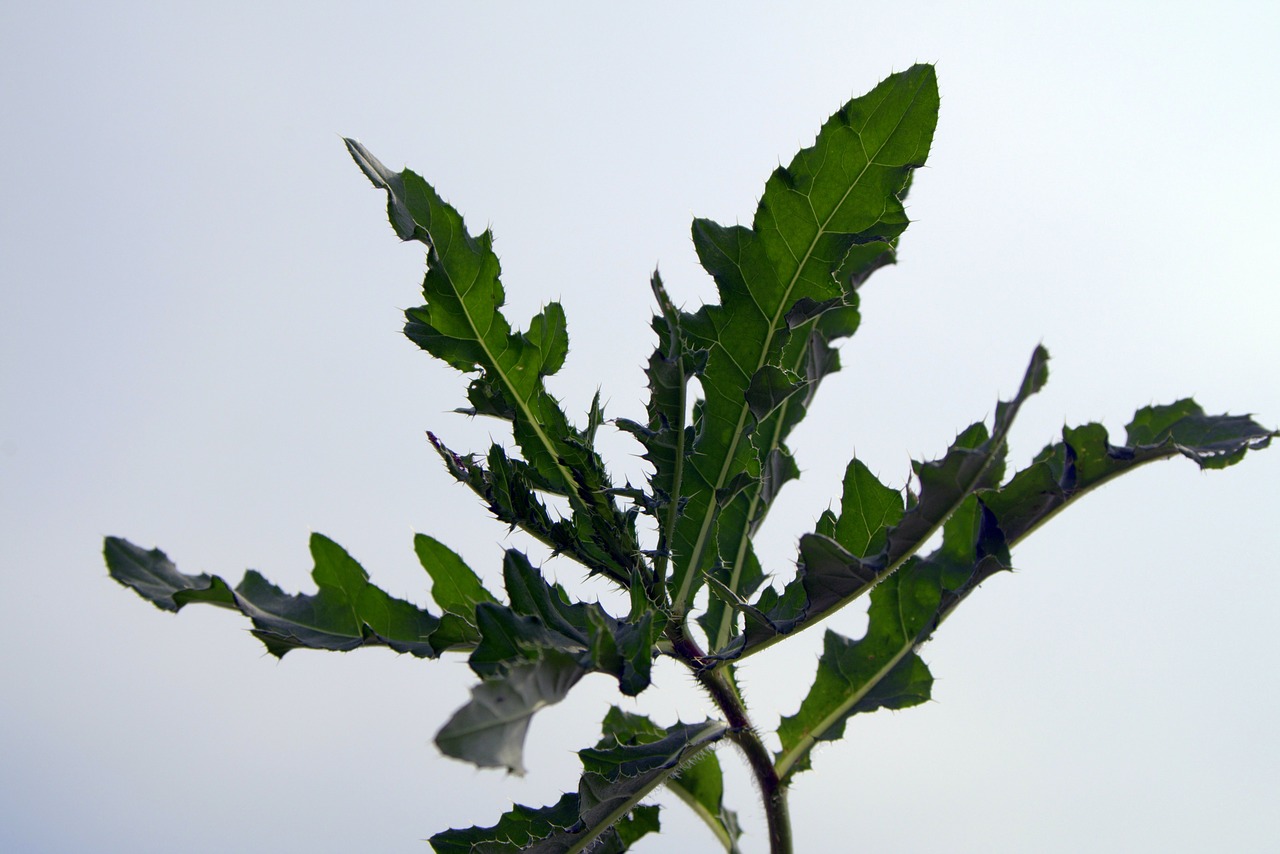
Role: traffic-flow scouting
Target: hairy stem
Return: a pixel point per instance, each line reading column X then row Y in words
column 719, row 683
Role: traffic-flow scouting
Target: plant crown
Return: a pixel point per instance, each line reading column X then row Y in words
column 788, row 289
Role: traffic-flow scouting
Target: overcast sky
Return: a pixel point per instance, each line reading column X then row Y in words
column 200, row 350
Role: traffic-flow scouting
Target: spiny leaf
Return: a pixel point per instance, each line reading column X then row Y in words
column 666, row 438
column 824, row 223
column 507, row 487
column 513, row 832
column 463, row 325
column 868, row 510
column 153, row 576
column 347, row 612
column 809, row 353
column 531, row 652
column 700, row 783
column 617, row 776
column 839, row 565
column 1085, row 459
column 881, row 670
column 540, row 615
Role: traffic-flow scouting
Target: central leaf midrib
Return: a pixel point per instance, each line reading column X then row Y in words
column 520, row 402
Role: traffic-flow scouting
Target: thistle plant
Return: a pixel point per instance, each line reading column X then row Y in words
column 788, row 290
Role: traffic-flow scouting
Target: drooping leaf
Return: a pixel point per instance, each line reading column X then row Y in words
column 531, row 652
column 1085, row 459
column 151, row 575
column 541, row 616
column 608, row 818
column 490, row 730
column 346, row 612
column 824, row 223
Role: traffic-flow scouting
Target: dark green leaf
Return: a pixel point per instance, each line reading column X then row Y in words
column 699, row 783
column 507, row 487
column 462, row 324
column 1086, row 459
column 153, row 576
column 515, row 830
column 456, row 589
column 882, row 670
column 345, row 613
column 834, row 570
column 617, row 775
column 824, row 223
column 541, row 617
column 771, row 387
column 508, row 638
column 639, row 822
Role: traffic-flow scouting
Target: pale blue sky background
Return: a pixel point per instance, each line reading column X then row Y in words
column 200, row 349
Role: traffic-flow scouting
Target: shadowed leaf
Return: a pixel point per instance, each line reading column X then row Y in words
column 347, row 612
column 489, row 731
column 616, row 777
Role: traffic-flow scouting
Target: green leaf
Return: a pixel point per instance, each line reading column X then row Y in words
column 882, row 670
column 617, row 775
column 699, row 783
column 531, row 652
column 868, row 510
column 842, row 688
column 508, row 638
column 834, row 570
column 1085, row 459
column 347, row 612
column 490, row 730
column 153, row 576
column 824, row 223
column 507, row 488
column 540, row 616
column 456, row 589
column 514, row 831
column 462, row 324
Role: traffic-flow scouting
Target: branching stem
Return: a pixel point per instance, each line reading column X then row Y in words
column 718, row 682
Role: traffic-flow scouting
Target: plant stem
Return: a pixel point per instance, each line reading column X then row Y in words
column 718, row 682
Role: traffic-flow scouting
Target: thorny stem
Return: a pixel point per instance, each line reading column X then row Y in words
column 719, row 684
